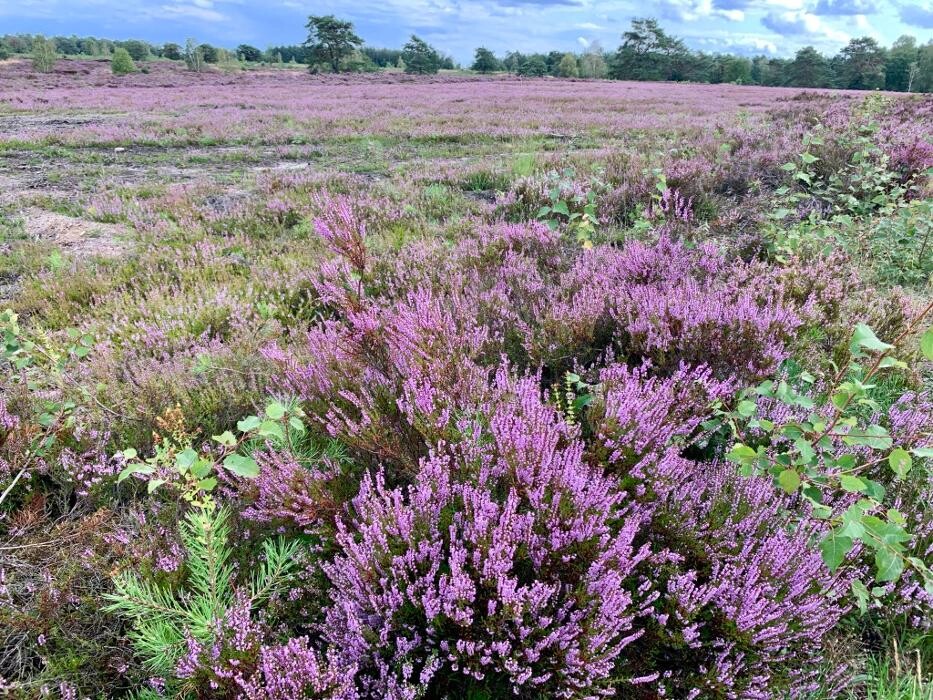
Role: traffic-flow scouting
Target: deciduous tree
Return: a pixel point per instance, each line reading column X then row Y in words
column 485, row 61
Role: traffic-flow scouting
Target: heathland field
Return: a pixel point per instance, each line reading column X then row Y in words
column 461, row 386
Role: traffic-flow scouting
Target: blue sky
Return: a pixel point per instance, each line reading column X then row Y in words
column 776, row 27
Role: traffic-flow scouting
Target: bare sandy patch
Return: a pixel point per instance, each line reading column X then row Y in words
column 79, row 238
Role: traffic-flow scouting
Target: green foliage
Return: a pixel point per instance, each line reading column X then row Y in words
column 122, row 62
column 191, row 473
column 172, row 52
column 330, row 40
column 420, row 57
column 248, row 53
column 577, row 212
column 162, row 616
column 567, row 68
column 833, row 454
column 485, row 61
column 35, row 362
column 194, row 56
column 647, row 52
column 897, row 249
column 44, row 54
column 533, row 66
column 865, row 186
column 862, row 65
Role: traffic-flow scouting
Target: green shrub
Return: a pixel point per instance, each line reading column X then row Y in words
column 43, row 54
column 122, row 62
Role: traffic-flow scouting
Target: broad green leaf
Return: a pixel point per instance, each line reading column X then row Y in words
column 202, row 468
column 271, row 428
column 249, row 423
column 138, row 468
column 226, row 438
column 242, row 466
column 888, row 565
column 275, row 411
column 865, row 338
column 926, row 343
column 873, row 436
column 805, row 449
column 747, row 409
column 207, row 484
column 834, row 548
column 741, row 453
column 852, row 484
column 860, row 592
column 154, row 484
column 900, row 462
column 789, row 480
column 184, row 459
column 895, row 516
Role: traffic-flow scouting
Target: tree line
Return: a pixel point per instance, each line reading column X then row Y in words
column 647, row 52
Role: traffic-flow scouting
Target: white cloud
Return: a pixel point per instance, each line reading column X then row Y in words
column 801, row 22
column 178, row 11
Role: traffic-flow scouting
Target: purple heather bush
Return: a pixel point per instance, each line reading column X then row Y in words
column 508, row 550
column 500, row 566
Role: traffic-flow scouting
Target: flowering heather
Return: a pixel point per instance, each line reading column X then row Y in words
column 460, row 386
column 533, row 595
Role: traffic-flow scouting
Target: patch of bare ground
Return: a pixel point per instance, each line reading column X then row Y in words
column 79, row 238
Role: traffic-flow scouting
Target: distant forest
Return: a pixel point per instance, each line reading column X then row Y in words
column 647, row 52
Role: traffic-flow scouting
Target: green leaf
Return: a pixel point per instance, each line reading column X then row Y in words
column 860, row 592
column 297, row 425
column 270, row 428
column 852, row 484
column 900, row 462
column 207, row 484
column 138, row 468
column 895, row 516
column 873, row 436
column 226, row 438
column 129, row 453
column 202, row 468
column 865, row 338
column 808, row 158
column 926, row 343
column 561, row 208
column 741, row 453
column 242, row 466
column 888, row 565
column 805, row 449
column 789, row 480
column 923, row 452
column 184, row 459
column 834, row 548
column 249, row 423
column 154, row 484
column 747, row 409
column 275, row 411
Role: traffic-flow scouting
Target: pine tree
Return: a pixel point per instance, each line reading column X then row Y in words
column 162, row 616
